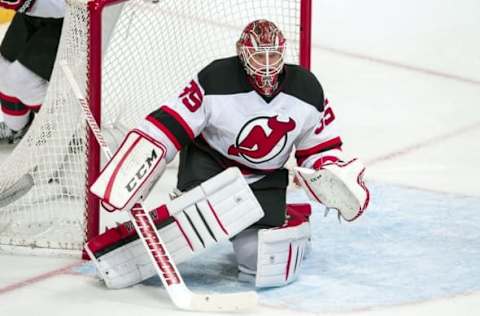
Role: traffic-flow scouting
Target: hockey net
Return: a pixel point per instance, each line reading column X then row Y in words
column 127, row 56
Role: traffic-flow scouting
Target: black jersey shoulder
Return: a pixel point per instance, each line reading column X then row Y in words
column 303, row 85
column 224, row 76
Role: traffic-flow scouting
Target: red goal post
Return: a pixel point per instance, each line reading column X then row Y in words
column 127, row 56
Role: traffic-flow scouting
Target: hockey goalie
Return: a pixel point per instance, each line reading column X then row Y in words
column 234, row 125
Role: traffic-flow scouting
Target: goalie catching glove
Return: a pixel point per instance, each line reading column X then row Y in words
column 338, row 185
column 131, row 173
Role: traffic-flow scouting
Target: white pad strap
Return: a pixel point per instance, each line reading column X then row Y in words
column 216, row 210
column 337, row 185
column 129, row 175
column 280, row 254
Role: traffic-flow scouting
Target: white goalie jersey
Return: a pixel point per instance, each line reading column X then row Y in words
column 256, row 133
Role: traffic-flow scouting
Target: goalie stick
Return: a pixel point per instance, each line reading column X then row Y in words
column 166, row 269
column 23, row 185
column 16, row 190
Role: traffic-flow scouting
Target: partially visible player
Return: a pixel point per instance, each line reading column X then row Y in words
column 249, row 111
column 27, row 55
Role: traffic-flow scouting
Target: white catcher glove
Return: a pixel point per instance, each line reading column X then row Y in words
column 337, row 185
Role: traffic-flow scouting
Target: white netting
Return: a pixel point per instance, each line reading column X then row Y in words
column 150, row 51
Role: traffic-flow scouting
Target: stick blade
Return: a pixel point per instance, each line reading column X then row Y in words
column 224, row 302
column 16, row 190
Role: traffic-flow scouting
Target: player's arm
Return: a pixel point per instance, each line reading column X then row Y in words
column 326, row 173
column 39, row 8
column 320, row 142
column 141, row 158
column 179, row 120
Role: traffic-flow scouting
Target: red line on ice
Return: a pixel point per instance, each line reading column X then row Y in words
column 399, row 65
column 429, row 142
column 38, row 278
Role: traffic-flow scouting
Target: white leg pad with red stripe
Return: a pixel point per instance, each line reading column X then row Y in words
column 280, row 254
column 214, row 211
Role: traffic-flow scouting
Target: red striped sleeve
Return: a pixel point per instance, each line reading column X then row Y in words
column 302, row 154
column 165, row 131
column 179, row 119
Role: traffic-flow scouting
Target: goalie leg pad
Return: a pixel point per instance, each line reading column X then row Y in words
column 275, row 255
column 216, row 210
column 121, row 259
column 280, row 254
column 132, row 171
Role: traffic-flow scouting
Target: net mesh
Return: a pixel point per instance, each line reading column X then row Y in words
column 150, row 50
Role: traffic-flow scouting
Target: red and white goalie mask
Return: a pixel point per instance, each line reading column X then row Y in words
column 261, row 48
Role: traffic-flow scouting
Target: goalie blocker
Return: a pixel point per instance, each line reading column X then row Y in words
column 216, row 210
column 132, row 171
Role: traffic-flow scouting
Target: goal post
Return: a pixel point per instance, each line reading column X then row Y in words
column 127, row 56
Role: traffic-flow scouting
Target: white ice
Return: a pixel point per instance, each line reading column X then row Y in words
column 404, row 78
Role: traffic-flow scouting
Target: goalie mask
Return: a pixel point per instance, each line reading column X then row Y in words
column 261, row 48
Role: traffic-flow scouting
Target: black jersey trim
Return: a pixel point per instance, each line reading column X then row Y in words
column 224, row 76
column 172, row 125
column 302, row 84
column 227, row 76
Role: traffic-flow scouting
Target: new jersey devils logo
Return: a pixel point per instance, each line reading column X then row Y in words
column 262, row 139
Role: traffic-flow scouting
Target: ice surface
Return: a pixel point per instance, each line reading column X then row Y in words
column 410, row 246
column 419, row 241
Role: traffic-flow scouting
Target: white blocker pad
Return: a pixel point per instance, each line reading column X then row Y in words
column 280, row 254
column 337, row 185
column 129, row 175
column 216, row 210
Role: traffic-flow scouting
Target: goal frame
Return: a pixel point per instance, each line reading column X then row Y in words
column 94, row 84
